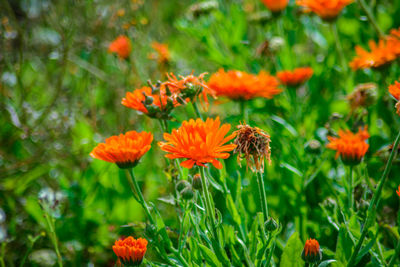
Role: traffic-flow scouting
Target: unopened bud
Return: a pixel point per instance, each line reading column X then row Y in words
column 197, row 183
column 182, row 184
column 270, row 225
column 187, row 193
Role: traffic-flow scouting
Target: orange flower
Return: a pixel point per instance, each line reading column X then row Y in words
column 199, row 143
column 121, row 46
column 239, row 85
column 275, row 5
column 311, row 252
column 124, row 150
column 136, row 99
column 162, row 51
column 382, row 53
column 351, row 147
column 398, row 191
column 189, row 86
column 296, row 77
column 394, row 90
column 130, row 251
column 326, row 9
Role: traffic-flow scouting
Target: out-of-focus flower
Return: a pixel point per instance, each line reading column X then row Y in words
column 311, row 252
column 275, row 5
column 398, row 191
column 253, row 145
column 125, row 149
column 363, row 95
column 189, row 87
column 130, row 251
column 349, row 146
column 313, row 147
column 239, row 85
column 202, row 8
column 121, row 46
column 199, row 143
column 394, row 90
column 296, row 77
column 381, row 54
column 161, row 54
column 326, row 9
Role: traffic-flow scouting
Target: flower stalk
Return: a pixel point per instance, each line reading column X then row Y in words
column 374, row 202
column 263, row 195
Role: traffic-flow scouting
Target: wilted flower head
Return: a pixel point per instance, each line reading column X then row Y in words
column 162, row 54
column 296, row 77
column 349, row 146
column 125, row 149
column 121, row 46
column 311, row 252
column 381, row 54
column 130, row 251
column 275, row 5
column 240, row 85
column 199, row 143
column 326, row 9
column 253, row 145
column 362, row 96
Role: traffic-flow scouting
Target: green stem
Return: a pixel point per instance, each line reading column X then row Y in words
column 263, row 195
column 244, row 111
column 135, row 187
column 339, row 47
column 2, row 253
column 375, row 199
column 370, row 17
column 53, row 236
column 350, row 191
column 197, row 110
column 395, row 255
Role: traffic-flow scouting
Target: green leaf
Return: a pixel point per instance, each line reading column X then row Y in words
column 291, row 255
column 230, row 205
column 209, row 256
column 326, row 263
column 344, row 247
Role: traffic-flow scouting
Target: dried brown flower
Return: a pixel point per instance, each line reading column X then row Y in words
column 253, row 145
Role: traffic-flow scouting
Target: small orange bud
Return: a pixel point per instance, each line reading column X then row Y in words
column 311, row 252
column 275, row 5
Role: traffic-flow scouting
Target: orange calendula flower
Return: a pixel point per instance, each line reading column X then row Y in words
column 311, row 252
column 143, row 99
column 398, row 191
column 349, row 146
column 296, row 77
column 130, row 251
column 381, row 54
column 199, row 143
column 125, row 149
column 189, row 87
column 326, row 9
column 238, row 85
column 275, row 5
column 394, row 90
column 121, row 46
column 162, row 52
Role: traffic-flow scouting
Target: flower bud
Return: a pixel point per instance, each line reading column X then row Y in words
column 313, row 147
column 182, row 184
column 197, row 183
column 187, row 193
column 270, row 225
column 311, row 252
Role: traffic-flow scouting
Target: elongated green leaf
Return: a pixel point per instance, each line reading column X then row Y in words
column 209, row 256
column 291, row 255
column 326, row 263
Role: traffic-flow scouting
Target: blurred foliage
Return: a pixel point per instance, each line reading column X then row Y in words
column 61, row 92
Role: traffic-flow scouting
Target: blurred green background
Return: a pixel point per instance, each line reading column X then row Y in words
column 61, row 92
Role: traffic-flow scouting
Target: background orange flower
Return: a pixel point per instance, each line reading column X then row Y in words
column 121, row 46
column 241, row 85
column 275, row 5
column 295, row 77
column 394, row 90
column 162, row 51
column 326, row 9
column 351, row 147
column 125, row 149
column 199, row 143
